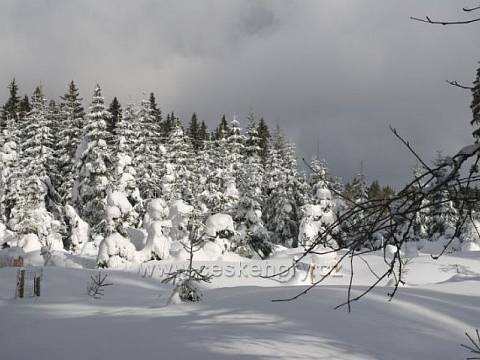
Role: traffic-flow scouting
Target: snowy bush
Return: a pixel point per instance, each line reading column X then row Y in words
column 5, row 236
column 219, row 225
column 250, row 227
column 157, row 225
column 158, row 244
column 78, row 230
column 471, row 234
column 36, row 229
column 314, row 220
column 185, row 290
column 186, row 280
column 179, row 213
column 117, row 212
column 115, row 251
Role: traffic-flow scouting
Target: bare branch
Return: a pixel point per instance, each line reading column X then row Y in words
column 436, row 22
column 471, row 9
column 407, row 144
column 457, row 84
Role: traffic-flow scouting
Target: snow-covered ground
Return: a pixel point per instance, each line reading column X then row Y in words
column 426, row 320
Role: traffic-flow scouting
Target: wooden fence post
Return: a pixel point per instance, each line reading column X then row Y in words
column 20, row 283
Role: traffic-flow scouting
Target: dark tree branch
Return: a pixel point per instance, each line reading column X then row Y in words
column 407, row 144
column 456, row 84
column 471, row 9
column 436, row 22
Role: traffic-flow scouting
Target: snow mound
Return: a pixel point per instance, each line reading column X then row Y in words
column 5, row 235
column 157, row 209
column 158, row 244
column 179, row 208
column 119, row 200
column 29, row 242
column 219, row 224
column 470, row 246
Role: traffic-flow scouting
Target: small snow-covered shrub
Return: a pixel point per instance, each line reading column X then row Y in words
column 158, row 244
column 471, row 234
column 117, row 212
column 179, row 214
column 5, row 236
column 79, row 230
column 157, row 225
column 250, row 227
column 37, row 228
column 185, row 291
column 314, row 220
column 186, row 280
column 115, row 251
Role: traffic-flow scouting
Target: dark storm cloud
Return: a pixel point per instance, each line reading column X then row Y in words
column 336, row 72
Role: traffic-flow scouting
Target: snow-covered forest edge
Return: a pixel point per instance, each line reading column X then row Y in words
column 130, row 185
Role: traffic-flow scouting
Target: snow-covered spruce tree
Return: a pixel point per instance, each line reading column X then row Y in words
column 280, row 186
column 11, row 170
column 221, row 169
column 422, row 220
column 178, row 178
column 156, row 112
column 9, row 141
column 321, row 211
column 36, row 159
column 222, row 130
column 187, row 280
column 115, row 249
column 69, row 136
column 93, row 166
column 54, row 203
column 11, row 107
column 203, row 134
column 234, row 156
column 248, row 215
column 147, row 154
column 221, row 194
column 471, row 233
column 115, row 109
column 475, row 106
column 264, row 135
column 357, row 194
column 443, row 215
column 194, row 134
column 252, row 172
column 209, row 191
column 124, row 174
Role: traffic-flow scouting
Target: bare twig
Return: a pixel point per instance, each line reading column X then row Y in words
column 96, row 287
column 475, row 347
column 457, row 84
column 471, row 9
column 436, row 22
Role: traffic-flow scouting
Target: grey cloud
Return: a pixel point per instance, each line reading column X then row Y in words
column 333, row 72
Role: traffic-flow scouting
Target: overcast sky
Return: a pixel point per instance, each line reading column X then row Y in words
column 332, row 72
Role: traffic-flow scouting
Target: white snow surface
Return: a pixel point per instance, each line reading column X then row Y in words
column 426, row 319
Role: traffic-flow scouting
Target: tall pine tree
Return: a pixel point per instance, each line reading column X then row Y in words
column 69, row 135
column 93, row 166
column 115, row 110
